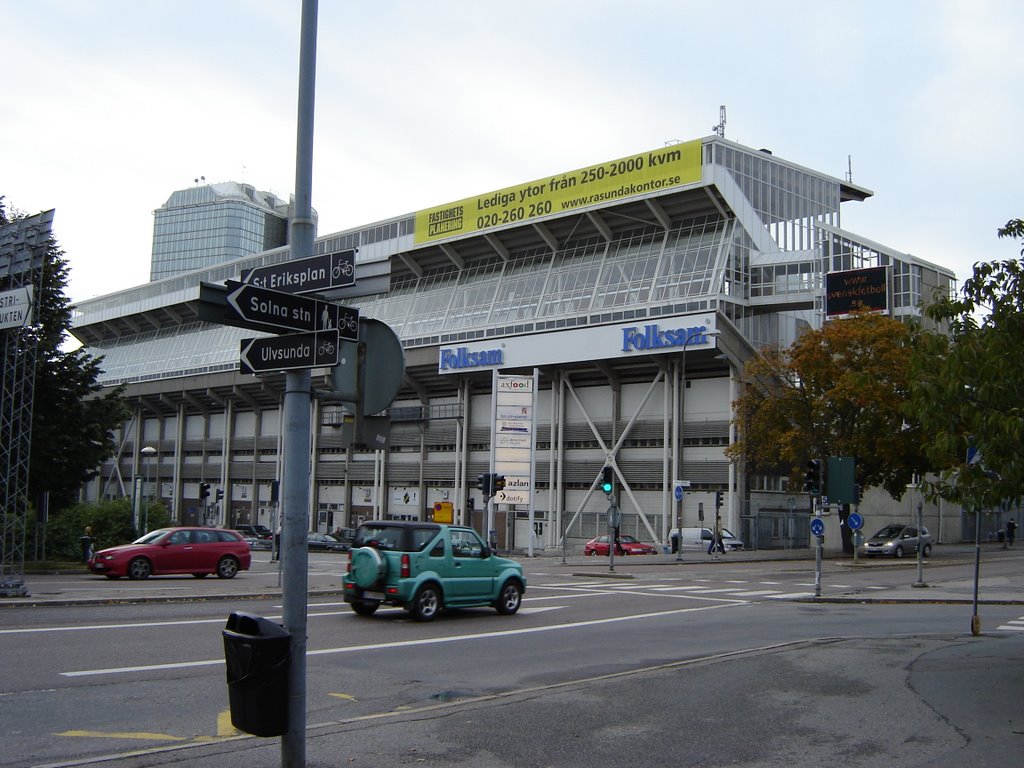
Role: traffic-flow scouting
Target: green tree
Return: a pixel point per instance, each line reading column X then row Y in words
column 72, row 422
column 837, row 391
column 968, row 387
column 110, row 521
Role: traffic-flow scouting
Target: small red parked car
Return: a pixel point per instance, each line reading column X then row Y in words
column 199, row 551
column 629, row 546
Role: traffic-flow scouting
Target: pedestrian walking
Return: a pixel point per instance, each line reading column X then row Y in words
column 1011, row 532
column 86, row 543
column 716, row 543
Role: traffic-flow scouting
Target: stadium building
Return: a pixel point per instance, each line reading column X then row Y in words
column 625, row 296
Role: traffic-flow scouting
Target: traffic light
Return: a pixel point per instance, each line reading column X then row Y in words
column 220, row 494
column 718, row 500
column 204, row 491
column 498, row 483
column 483, row 482
column 812, row 477
column 607, row 480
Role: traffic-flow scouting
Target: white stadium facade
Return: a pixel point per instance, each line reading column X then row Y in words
column 628, row 294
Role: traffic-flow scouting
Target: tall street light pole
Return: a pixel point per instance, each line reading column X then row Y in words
column 147, row 454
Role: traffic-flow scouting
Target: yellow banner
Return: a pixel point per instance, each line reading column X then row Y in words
column 658, row 169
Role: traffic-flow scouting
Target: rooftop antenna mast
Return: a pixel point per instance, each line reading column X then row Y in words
column 720, row 128
column 849, row 168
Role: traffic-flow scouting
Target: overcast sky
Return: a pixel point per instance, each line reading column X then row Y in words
column 109, row 106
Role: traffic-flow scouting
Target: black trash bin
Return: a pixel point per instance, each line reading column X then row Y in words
column 258, row 655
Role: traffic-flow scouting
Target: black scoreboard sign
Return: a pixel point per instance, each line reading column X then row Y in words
column 857, row 289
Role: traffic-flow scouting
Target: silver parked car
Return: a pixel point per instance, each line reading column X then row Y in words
column 898, row 540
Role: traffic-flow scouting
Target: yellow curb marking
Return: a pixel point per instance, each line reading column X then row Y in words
column 122, row 735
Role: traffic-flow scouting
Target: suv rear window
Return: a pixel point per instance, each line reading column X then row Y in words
column 397, row 537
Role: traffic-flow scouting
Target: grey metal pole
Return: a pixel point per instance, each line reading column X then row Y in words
column 975, row 618
column 920, row 554
column 816, row 511
column 679, row 530
column 297, row 421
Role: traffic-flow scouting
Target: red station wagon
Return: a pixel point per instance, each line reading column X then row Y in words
column 199, row 551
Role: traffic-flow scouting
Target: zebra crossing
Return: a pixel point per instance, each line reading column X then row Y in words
column 731, row 589
column 1014, row 625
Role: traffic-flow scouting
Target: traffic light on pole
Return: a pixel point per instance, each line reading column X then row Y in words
column 483, row 482
column 812, row 477
column 220, row 494
column 204, row 491
column 718, row 499
column 607, row 480
column 498, row 484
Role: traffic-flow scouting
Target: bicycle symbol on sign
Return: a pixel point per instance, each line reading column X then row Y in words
column 326, row 348
column 349, row 322
column 342, row 269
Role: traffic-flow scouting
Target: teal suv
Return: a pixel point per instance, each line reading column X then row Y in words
column 427, row 567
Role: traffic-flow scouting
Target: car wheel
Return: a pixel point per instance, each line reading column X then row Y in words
column 139, row 568
column 368, row 566
column 365, row 608
column 590, row 552
column 927, row 551
column 200, row 575
column 427, row 603
column 227, row 568
column 898, row 552
column 510, row 598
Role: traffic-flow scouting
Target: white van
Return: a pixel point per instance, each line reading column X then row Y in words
column 698, row 539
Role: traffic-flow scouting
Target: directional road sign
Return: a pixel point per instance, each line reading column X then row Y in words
column 817, row 526
column 263, row 309
column 679, row 487
column 309, row 275
column 855, row 521
column 290, row 352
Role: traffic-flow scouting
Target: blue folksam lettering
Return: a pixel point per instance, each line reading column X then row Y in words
column 462, row 358
column 653, row 337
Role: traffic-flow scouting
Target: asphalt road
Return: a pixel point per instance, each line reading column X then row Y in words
column 657, row 663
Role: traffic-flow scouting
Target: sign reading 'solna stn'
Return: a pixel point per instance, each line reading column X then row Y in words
column 263, row 309
column 664, row 168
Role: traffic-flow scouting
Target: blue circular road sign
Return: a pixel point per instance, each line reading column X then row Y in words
column 817, row 526
column 855, row 521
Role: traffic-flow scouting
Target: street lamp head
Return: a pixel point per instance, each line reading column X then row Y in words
column 149, row 450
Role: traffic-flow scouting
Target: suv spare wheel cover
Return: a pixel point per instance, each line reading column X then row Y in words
column 367, row 566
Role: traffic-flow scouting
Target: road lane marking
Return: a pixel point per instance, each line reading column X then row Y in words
column 498, row 634
column 225, row 727
column 144, row 624
column 122, row 735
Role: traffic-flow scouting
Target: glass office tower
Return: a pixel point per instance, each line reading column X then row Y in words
column 209, row 224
